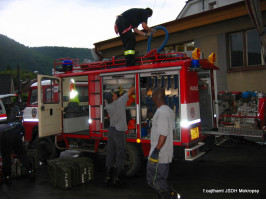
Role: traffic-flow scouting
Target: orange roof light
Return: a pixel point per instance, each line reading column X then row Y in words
column 212, row 58
column 196, row 54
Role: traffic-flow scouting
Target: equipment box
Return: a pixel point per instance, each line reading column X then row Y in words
column 68, row 172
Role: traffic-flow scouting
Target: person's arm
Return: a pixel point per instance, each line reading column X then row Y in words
column 123, row 99
column 163, row 131
column 131, row 90
column 146, row 28
column 136, row 30
column 161, row 142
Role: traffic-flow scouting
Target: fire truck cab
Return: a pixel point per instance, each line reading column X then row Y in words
column 83, row 124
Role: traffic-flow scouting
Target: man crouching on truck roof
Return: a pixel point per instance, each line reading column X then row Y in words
column 116, row 147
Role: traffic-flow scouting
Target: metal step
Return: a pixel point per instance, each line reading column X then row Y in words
column 236, row 132
column 194, row 152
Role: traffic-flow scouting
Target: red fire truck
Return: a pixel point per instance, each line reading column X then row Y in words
column 82, row 125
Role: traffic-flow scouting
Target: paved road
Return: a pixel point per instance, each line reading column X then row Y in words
column 231, row 171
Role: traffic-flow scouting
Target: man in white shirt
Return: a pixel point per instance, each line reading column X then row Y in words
column 161, row 152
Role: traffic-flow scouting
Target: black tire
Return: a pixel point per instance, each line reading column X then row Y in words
column 134, row 159
column 47, row 149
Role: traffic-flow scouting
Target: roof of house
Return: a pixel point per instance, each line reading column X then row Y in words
column 188, row 9
column 204, row 18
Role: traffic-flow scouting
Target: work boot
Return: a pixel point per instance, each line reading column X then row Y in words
column 117, row 181
column 31, row 174
column 107, row 179
column 175, row 195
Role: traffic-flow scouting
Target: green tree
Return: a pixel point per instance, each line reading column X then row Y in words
column 8, row 67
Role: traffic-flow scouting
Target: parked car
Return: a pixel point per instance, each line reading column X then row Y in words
column 9, row 111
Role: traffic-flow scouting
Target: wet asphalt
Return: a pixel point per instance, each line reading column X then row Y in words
column 235, row 170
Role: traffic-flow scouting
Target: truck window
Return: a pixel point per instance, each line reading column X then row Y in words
column 82, row 92
column 50, row 92
column 34, row 97
column 48, row 95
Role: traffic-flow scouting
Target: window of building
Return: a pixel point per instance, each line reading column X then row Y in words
column 183, row 48
column 245, row 50
column 212, row 5
column 236, row 49
column 254, row 48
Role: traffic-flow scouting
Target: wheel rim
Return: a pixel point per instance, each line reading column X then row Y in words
column 129, row 160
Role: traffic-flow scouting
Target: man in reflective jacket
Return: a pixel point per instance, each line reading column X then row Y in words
column 124, row 24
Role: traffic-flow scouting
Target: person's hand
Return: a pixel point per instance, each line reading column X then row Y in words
column 147, row 34
column 154, row 157
column 131, row 90
column 153, row 30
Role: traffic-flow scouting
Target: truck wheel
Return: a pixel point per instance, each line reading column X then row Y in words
column 47, row 149
column 134, row 159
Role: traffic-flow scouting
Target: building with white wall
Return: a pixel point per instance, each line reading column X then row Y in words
column 193, row 7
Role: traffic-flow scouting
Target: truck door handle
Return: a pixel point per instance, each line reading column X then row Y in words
column 51, row 111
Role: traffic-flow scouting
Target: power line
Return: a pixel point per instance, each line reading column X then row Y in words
column 153, row 9
column 158, row 13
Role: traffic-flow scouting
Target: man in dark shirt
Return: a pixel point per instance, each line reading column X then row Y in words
column 124, row 24
column 11, row 142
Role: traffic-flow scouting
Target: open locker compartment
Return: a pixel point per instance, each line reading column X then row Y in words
column 163, row 79
column 121, row 83
column 140, row 108
column 75, row 114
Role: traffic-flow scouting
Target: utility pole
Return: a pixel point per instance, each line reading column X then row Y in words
column 19, row 85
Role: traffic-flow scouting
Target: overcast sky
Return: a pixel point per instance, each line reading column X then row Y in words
column 74, row 23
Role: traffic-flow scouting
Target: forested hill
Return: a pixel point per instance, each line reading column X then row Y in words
column 39, row 59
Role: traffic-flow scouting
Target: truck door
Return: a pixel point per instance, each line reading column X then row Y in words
column 206, row 101
column 49, row 105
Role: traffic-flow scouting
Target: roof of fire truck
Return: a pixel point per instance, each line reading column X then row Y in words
column 149, row 61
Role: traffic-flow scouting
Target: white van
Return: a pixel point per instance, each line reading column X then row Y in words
column 8, row 111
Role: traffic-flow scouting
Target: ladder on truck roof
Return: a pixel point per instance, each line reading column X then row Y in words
column 115, row 62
